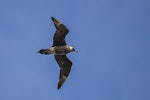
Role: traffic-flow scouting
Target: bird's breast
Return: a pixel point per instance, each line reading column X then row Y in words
column 61, row 50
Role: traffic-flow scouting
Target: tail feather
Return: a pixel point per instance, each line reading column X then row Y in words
column 44, row 51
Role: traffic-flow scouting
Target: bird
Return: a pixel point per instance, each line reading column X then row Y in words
column 59, row 49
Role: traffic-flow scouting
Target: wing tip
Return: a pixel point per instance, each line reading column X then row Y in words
column 61, row 82
column 56, row 22
column 52, row 18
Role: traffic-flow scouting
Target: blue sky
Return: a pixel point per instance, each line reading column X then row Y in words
column 112, row 37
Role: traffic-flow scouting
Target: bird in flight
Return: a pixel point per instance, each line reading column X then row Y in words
column 59, row 49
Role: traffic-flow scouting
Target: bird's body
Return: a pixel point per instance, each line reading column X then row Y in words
column 59, row 49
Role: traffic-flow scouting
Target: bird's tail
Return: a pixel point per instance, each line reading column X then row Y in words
column 45, row 51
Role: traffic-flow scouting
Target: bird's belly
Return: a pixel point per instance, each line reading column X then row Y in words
column 60, row 50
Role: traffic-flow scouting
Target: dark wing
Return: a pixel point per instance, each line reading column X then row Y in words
column 60, row 34
column 65, row 67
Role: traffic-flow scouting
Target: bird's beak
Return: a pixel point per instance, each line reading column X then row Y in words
column 76, row 51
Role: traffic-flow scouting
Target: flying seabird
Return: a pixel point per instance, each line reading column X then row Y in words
column 59, row 49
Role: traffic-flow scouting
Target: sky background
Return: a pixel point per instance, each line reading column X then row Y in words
column 113, row 42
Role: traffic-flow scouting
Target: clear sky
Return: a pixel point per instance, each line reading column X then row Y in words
column 112, row 37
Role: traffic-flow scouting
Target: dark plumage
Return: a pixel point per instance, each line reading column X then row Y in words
column 60, row 49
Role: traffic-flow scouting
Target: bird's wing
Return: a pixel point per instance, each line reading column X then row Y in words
column 60, row 34
column 65, row 67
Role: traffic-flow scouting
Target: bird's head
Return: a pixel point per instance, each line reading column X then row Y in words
column 73, row 49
